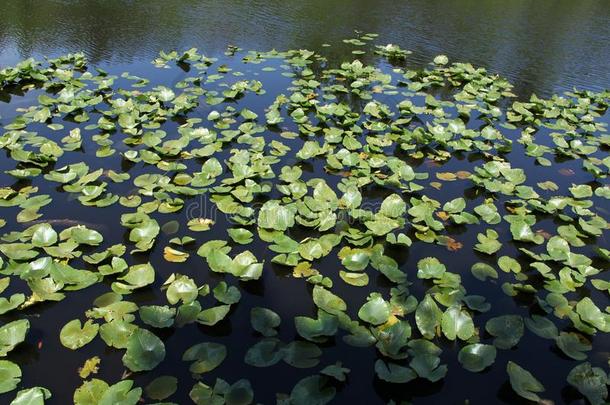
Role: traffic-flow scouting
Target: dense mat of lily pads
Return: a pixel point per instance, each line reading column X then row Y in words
column 330, row 174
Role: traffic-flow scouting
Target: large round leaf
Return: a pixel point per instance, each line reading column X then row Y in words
column 477, row 357
column 10, row 376
column 74, row 336
column 144, row 351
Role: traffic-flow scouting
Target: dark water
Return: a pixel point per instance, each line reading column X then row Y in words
column 541, row 46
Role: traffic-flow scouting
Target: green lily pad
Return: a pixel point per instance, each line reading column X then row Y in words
column 507, row 330
column 393, row 373
column 477, row 357
column 144, row 351
column 523, row 382
column 11, row 334
column 161, row 388
column 590, row 382
column 264, row 321
column 375, row 311
column 10, row 376
column 205, row 356
column 456, row 322
column 74, row 335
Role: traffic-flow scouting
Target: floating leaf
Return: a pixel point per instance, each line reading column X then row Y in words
column 523, row 382
column 10, row 376
column 205, row 356
column 477, row 357
column 507, row 329
column 393, row 373
column 144, row 351
column 74, row 335
column 264, row 321
column 11, row 334
column 457, row 323
column 161, row 387
column 590, row 382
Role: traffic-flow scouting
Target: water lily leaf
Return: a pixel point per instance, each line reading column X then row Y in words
column 12, row 303
column 265, row 353
column 116, row 333
column 375, row 311
column 581, row 191
column 590, row 382
column 121, row 393
column 144, row 351
column 211, row 316
column 592, row 315
column 74, row 335
column 507, row 329
column 523, row 382
column 573, row 345
column 239, row 393
column 455, row 206
column 200, row 224
column 82, row 235
column 312, row 391
column 509, row 264
column 206, row 356
column 10, row 376
column 430, row 267
column 246, row 266
column 182, row 288
column 457, row 323
column 11, row 334
column 354, row 278
column 356, row 260
column 393, row 373
column 317, row 330
column 157, row 316
column 240, row 235
column 90, row 392
column 161, row 388
column 441, row 60
column 328, row 301
column 32, row 396
column 488, row 242
column 174, row 255
column 393, row 206
column 425, row 360
column 337, row 371
column 301, row 354
column 428, row 317
column 477, row 357
column 272, row 215
column 18, row 251
column 482, row 271
column 44, row 235
column 382, row 225
column 264, row 321
column 226, row 294
column 218, row 261
column 542, row 326
column 138, row 276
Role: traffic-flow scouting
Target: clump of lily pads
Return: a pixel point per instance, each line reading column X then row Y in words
column 222, row 180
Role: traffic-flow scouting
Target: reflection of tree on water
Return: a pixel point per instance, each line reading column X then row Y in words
column 539, row 45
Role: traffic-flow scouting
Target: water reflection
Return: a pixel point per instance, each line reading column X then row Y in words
column 541, row 46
